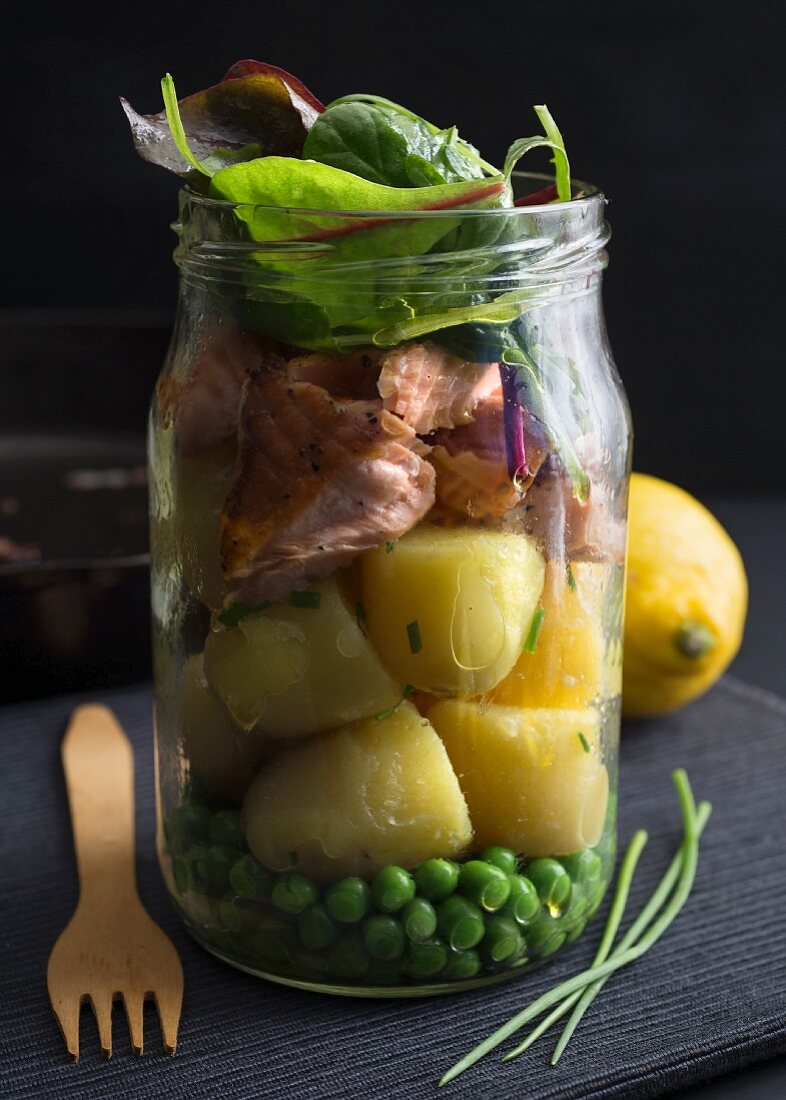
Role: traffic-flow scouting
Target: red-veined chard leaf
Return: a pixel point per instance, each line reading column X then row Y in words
column 255, row 110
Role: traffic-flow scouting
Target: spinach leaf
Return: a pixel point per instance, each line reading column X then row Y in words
column 552, row 140
column 255, row 110
column 385, row 144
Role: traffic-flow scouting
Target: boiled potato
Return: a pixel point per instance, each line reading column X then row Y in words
column 225, row 758
column 570, row 666
column 449, row 609
column 529, row 781
column 291, row 670
column 201, row 486
column 351, row 801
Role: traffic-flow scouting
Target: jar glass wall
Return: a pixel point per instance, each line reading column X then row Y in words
column 388, row 530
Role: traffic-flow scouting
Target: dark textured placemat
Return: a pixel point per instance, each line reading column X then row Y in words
column 709, row 998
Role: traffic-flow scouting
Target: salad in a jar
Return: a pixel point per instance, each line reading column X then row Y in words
column 389, row 458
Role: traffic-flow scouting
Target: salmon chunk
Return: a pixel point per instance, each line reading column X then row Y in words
column 429, row 388
column 341, row 375
column 472, row 467
column 204, row 409
column 318, row 482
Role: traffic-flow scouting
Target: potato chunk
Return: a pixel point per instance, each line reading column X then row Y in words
column 291, row 670
column 351, row 801
column 529, row 781
column 570, row 666
column 449, row 609
column 226, row 759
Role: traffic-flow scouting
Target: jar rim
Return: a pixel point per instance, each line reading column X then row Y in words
column 588, row 196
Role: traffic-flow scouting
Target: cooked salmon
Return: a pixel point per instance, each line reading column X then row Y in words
column 472, row 466
column 204, row 409
column 341, row 375
column 430, row 388
column 318, row 482
column 552, row 513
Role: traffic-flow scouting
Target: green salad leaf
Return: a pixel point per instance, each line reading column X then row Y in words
column 385, row 144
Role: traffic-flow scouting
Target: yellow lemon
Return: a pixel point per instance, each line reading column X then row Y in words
column 686, row 599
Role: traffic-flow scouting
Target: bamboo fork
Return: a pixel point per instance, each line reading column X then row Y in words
column 111, row 949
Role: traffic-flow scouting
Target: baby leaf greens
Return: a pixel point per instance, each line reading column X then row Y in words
column 255, row 110
column 384, row 143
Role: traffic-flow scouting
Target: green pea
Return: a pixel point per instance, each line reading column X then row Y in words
column 460, row 922
column 196, row 858
column 540, row 932
column 193, row 821
column 584, row 866
column 316, row 928
column 348, row 959
column 484, row 884
column 552, row 882
column 575, row 932
column 225, row 829
column 419, row 919
column 348, row 900
column 461, row 965
column 425, row 959
column 392, row 888
column 385, row 973
column 249, row 879
column 502, row 939
column 523, row 905
column 222, row 939
column 271, row 946
column 552, row 945
column 230, row 914
column 436, row 879
column 293, row 892
column 504, row 858
column 383, row 938
column 181, row 873
column 213, row 866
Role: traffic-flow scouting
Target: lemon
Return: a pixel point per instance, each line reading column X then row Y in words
column 686, row 599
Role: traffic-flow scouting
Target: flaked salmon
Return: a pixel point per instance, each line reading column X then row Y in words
column 472, row 466
column 204, row 409
column 341, row 375
column 318, row 482
column 430, row 388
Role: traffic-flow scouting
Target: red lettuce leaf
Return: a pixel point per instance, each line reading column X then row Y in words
column 256, row 110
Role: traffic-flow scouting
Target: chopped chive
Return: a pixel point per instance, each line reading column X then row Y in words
column 571, row 578
column 305, row 599
column 360, row 617
column 406, row 691
column 234, row 612
column 534, row 629
column 413, row 633
column 584, row 741
column 389, row 547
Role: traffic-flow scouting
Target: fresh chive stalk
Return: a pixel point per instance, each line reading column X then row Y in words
column 583, row 739
column 571, row 578
column 413, row 633
column 687, row 860
column 630, row 937
column 531, row 641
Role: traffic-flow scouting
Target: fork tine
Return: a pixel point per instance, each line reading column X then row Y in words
column 134, row 1006
column 102, row 1007
column 169, row 1003
column 66, row 1010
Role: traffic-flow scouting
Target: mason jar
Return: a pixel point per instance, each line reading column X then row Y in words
column 389, row 462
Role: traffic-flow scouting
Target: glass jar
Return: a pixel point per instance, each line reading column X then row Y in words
column 389, row 463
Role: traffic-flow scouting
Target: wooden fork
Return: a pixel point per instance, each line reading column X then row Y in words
column 111, row 949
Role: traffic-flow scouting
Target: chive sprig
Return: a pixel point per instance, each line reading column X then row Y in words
column 656, row 916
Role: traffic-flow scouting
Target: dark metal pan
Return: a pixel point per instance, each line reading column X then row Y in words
column 74, row 587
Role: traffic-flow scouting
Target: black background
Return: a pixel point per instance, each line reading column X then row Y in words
column 676, row 109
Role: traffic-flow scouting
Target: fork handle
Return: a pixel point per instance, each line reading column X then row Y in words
column 99, row 769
